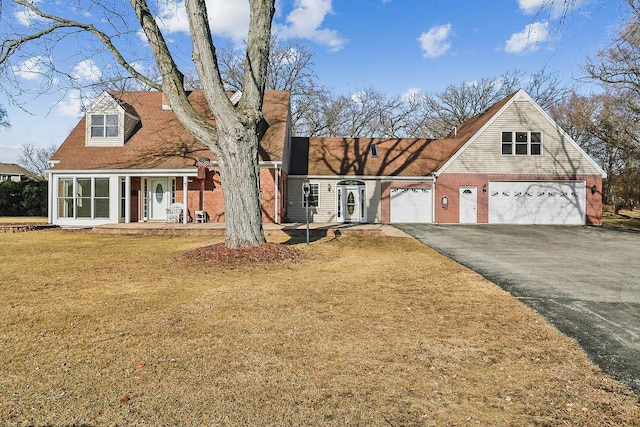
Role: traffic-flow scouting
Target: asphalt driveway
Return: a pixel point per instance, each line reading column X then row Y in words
column 583, row 280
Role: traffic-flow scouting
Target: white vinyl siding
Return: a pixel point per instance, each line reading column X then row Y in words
column 327, row 210
column 108, row 124
column 558, row 157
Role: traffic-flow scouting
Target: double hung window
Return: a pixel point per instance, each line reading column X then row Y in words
column 104, row 126
column 313, row 196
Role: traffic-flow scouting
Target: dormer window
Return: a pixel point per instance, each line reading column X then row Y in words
column 104, row 126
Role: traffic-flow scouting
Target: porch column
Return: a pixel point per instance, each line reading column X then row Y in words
column 51, row 198
column 185, row 190
column 127, row 199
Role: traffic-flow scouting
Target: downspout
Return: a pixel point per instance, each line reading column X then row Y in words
column 433, row 202
column 277, row 206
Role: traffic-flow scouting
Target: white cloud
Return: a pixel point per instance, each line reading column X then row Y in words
column 27, row 18
column 305, row 21
column 529, row 39
column 228, row 18
column 86, row 71
column 411, row 93
column 71, row 105
column 435, row 42
column 31, row 69
column 557, row 7
column 172, row 16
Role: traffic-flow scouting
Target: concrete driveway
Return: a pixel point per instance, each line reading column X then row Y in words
column 583, row 280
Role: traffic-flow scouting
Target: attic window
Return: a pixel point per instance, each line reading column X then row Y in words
column 522, row 143
column 104, row 126
column 373, row 148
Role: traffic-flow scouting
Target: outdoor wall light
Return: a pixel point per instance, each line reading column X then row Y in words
column 329, row 188
column 594, row 189
column 445, row 202
column 484, row 189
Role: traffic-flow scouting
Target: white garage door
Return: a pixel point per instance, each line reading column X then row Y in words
column 411, row 205
column 537, row 202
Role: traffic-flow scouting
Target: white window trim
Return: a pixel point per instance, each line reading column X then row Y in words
column 316, row 196
column 76, row 198
column 513, row 143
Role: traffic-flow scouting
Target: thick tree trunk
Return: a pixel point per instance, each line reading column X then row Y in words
column 240, row 178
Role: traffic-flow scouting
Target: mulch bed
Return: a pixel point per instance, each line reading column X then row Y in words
column 267, row 253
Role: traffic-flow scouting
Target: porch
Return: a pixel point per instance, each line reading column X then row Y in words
column 270, row 229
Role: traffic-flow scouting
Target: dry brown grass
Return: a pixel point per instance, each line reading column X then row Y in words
column 107, row 330
column 623, row 219
column 23, row 220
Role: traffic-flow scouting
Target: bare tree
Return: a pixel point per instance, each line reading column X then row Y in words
column 441, row 112
column 291, row 69
column 4, row 120
column 233, row 138
column 617, row 65
column 610, row 134
column 35, row 159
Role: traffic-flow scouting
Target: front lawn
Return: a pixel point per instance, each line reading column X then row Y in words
column 109, row 330
column 23, row 220
column 629, row 220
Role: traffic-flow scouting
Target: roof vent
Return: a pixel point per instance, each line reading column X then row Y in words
column 373, row 148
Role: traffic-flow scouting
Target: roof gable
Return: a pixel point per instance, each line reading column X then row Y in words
column 159, row 141
column 562, row 155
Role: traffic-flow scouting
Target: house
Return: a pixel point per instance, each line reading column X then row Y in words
column 511, row 164
column 129, row 160
column 13, row 172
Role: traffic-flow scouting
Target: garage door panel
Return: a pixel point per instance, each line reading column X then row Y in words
column 537, row 202
column 411, row 205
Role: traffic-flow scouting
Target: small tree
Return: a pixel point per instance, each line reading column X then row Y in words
column 36, row 159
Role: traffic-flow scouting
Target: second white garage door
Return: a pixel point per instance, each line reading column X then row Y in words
column 537, row 202
column 411, row 205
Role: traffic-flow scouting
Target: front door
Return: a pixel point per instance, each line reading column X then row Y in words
column 468, row 205
column 351, row 205
column 159, row 198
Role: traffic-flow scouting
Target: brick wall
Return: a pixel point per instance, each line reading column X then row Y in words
column 385, row 195
column 209, row 191
column 449, row 185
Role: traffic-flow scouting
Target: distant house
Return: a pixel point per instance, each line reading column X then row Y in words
column 13, row 172
column 129, row 160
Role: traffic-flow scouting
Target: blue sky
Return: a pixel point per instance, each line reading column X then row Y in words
column 394, row 46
